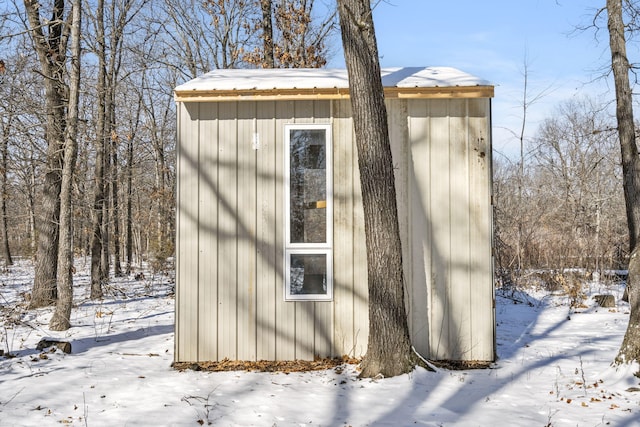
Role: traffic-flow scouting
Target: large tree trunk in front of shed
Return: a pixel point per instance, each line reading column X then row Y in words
column 630, row 348
column 389, row 350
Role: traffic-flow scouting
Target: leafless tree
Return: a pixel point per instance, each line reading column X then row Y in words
column 291, row 37
column 134, row 53
column 7, row 124
column 61, row 319
column 112, row 17
column 630, row 348
column 266, row 7
column 579, row 168
column 51, row 47
column 232, row 30
column 564, row 210
column 389, row 349
column 98, row 248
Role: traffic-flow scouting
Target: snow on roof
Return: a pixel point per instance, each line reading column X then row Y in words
column 313, row 78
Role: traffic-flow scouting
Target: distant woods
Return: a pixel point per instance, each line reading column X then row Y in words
column 564, row 207
column 122, row 177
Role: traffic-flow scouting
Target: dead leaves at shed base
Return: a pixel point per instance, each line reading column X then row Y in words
column 284, row 366
column 287, row 366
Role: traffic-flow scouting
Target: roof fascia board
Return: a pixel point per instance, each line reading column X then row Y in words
column 330, row 93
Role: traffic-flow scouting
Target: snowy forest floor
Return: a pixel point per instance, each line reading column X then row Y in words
column 553, row 370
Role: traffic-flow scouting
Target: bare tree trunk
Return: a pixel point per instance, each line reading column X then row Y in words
column 97, row 242
column 4, row 196
column 389, row 351
column 32, row 206
column 106, row 190
column 117, row 266
column 161, row 213
column 46, row 268
column 105, row 258
column 51, row 50
column 62, row 314
column 96, row 238
column 630, row 348
column 129, row 215
column 115, row 61
column 267, row 33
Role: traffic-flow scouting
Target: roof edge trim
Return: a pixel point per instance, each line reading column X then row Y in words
column 330, row 93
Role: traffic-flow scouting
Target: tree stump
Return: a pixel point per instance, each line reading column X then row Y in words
column 606, row 301
column 62, row 345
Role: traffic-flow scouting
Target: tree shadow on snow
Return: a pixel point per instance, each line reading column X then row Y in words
column 516, row 332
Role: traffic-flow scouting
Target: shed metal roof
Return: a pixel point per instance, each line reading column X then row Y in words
column 313, row 83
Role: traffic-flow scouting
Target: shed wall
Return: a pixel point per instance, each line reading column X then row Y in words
column 229, row 300
column 448, row 203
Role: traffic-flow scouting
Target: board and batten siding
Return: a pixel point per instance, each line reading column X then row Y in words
column 230, row 259
column 449, row 232
column 229, row 298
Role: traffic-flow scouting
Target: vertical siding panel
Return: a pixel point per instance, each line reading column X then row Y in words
column 323, row 311
column 269, row 217
column 187, row 230
column 420, row 225
column 227, row 228
column 304, row 111
column 360, row 275
column 343, row 264
column 459, row 303
column 285, row 310
column 246, row 227
column 322, row 111
column 440, row 230
column 208, row 257
column 481, row 291
column 305, row 315
column 323, row 330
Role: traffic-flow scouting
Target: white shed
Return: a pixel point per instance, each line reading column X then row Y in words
column 271, row 261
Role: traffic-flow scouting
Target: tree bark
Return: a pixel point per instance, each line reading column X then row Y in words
column 389, row 350
column 61, row 320
column 117, row 265
column 267, row 34
column 630, row 348
column 4, row 196
column 51, row 50
column 105, row 256
column 99, row 176
column 129, row 215
column 31, row 196
column 161, row 214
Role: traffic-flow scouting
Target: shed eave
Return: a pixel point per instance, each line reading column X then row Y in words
column 330, row 93
column 440, row 92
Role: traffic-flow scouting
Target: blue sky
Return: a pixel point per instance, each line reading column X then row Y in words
column 494, row 40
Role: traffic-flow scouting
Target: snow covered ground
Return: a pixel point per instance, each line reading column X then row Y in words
column 552, row 371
